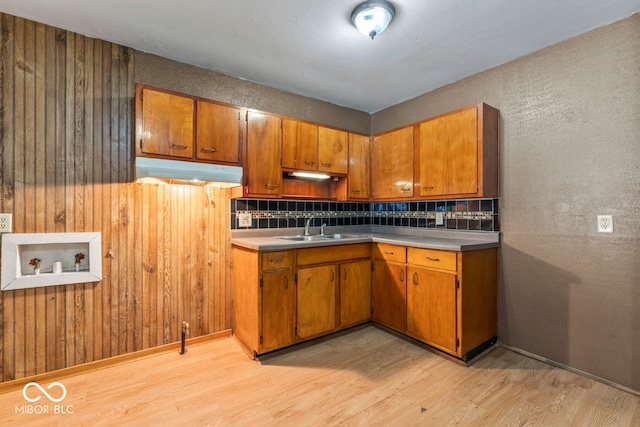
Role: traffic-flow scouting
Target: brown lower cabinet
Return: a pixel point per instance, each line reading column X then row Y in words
column 446, row 299
column 285, row 297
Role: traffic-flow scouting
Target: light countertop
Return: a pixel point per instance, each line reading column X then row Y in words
column 430, row 239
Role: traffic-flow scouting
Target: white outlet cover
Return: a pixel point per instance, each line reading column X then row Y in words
column 5, row 223
column 244, row 220
column 439, row 218
column 605, row 223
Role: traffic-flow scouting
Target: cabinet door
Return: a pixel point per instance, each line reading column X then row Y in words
column 359, row 166
column 299, row 145
column 167, row 124
column 355, row 292
column 218, row 132
column 278, row 291
column 264, row 173
column 333, row 151
column 390, row 295
column 392, row 164
column 316, row 300
column 449, row 154
column 431, row 307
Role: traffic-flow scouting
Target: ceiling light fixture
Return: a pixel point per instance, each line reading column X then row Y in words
column 372, row 17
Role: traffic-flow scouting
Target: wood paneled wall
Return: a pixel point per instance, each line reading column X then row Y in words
column 66, row 123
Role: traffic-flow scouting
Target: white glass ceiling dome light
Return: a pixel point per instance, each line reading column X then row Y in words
column 372, row 17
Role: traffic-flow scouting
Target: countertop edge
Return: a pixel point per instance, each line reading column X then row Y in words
column 267, row 243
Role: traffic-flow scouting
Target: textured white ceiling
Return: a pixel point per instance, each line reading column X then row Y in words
column 310, row 47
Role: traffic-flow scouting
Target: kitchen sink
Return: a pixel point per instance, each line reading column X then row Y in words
column 316, row 237
column 299, row 238
column 337, row 236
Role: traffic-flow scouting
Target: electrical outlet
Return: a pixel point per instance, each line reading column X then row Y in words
column 244, row 220
column 439, row 218
column 605, row 224
column 5, row 223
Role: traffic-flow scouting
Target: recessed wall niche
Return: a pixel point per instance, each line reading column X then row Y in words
column 57, row 254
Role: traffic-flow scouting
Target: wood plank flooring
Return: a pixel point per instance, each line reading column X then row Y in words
column 365, row 377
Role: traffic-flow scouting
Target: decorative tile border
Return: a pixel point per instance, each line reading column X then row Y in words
column 460, row 215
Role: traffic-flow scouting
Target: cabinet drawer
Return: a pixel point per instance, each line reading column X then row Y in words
column 327, row 254
column 390, row 252
column 443, row 260
column 276, row 260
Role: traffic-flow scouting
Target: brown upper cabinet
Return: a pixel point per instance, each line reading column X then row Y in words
column 165, row 123
column 299, row 145
column 392, row 164
column 263, row 171
column 218, row 133
column 309, row 147
column 333, row 151
column 184, row 127
column 359, row 167
column 457, row 154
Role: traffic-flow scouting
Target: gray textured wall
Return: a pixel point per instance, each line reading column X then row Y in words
column 168, row 74
column 570, row 149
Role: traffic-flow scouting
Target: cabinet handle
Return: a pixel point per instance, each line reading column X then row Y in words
column 208, row 150
column 432, row 259
column 286, row 282
column 333, row 275
column 345, row 274
column 402, row 275
column 309, row 163
column 388, row 253
column 415, row 278
column 270, row 186
column 355, row 191
column 406, row 189
column 429, row 187
column 178, row 147
column 326, row 165
column 277, row 260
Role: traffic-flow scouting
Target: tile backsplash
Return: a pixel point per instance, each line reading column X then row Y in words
column 460, row 215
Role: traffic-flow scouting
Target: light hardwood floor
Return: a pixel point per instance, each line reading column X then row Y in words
column 365, row 377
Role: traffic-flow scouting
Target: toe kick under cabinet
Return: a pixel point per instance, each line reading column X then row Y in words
column 289, row 296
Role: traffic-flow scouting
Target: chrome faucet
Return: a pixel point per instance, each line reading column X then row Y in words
column 307, row 225
column 322, row 229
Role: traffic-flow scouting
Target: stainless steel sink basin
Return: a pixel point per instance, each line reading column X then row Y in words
column 316, row 237
column 298, row 238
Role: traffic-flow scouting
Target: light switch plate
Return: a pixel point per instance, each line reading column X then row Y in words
column 244, row 220
column 5, row 223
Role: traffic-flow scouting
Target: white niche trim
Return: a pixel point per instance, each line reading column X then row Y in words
column 18, row 249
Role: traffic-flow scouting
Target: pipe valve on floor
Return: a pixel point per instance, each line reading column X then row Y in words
column 185, row 332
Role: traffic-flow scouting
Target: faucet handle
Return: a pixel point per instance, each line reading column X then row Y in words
column 322, row 229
